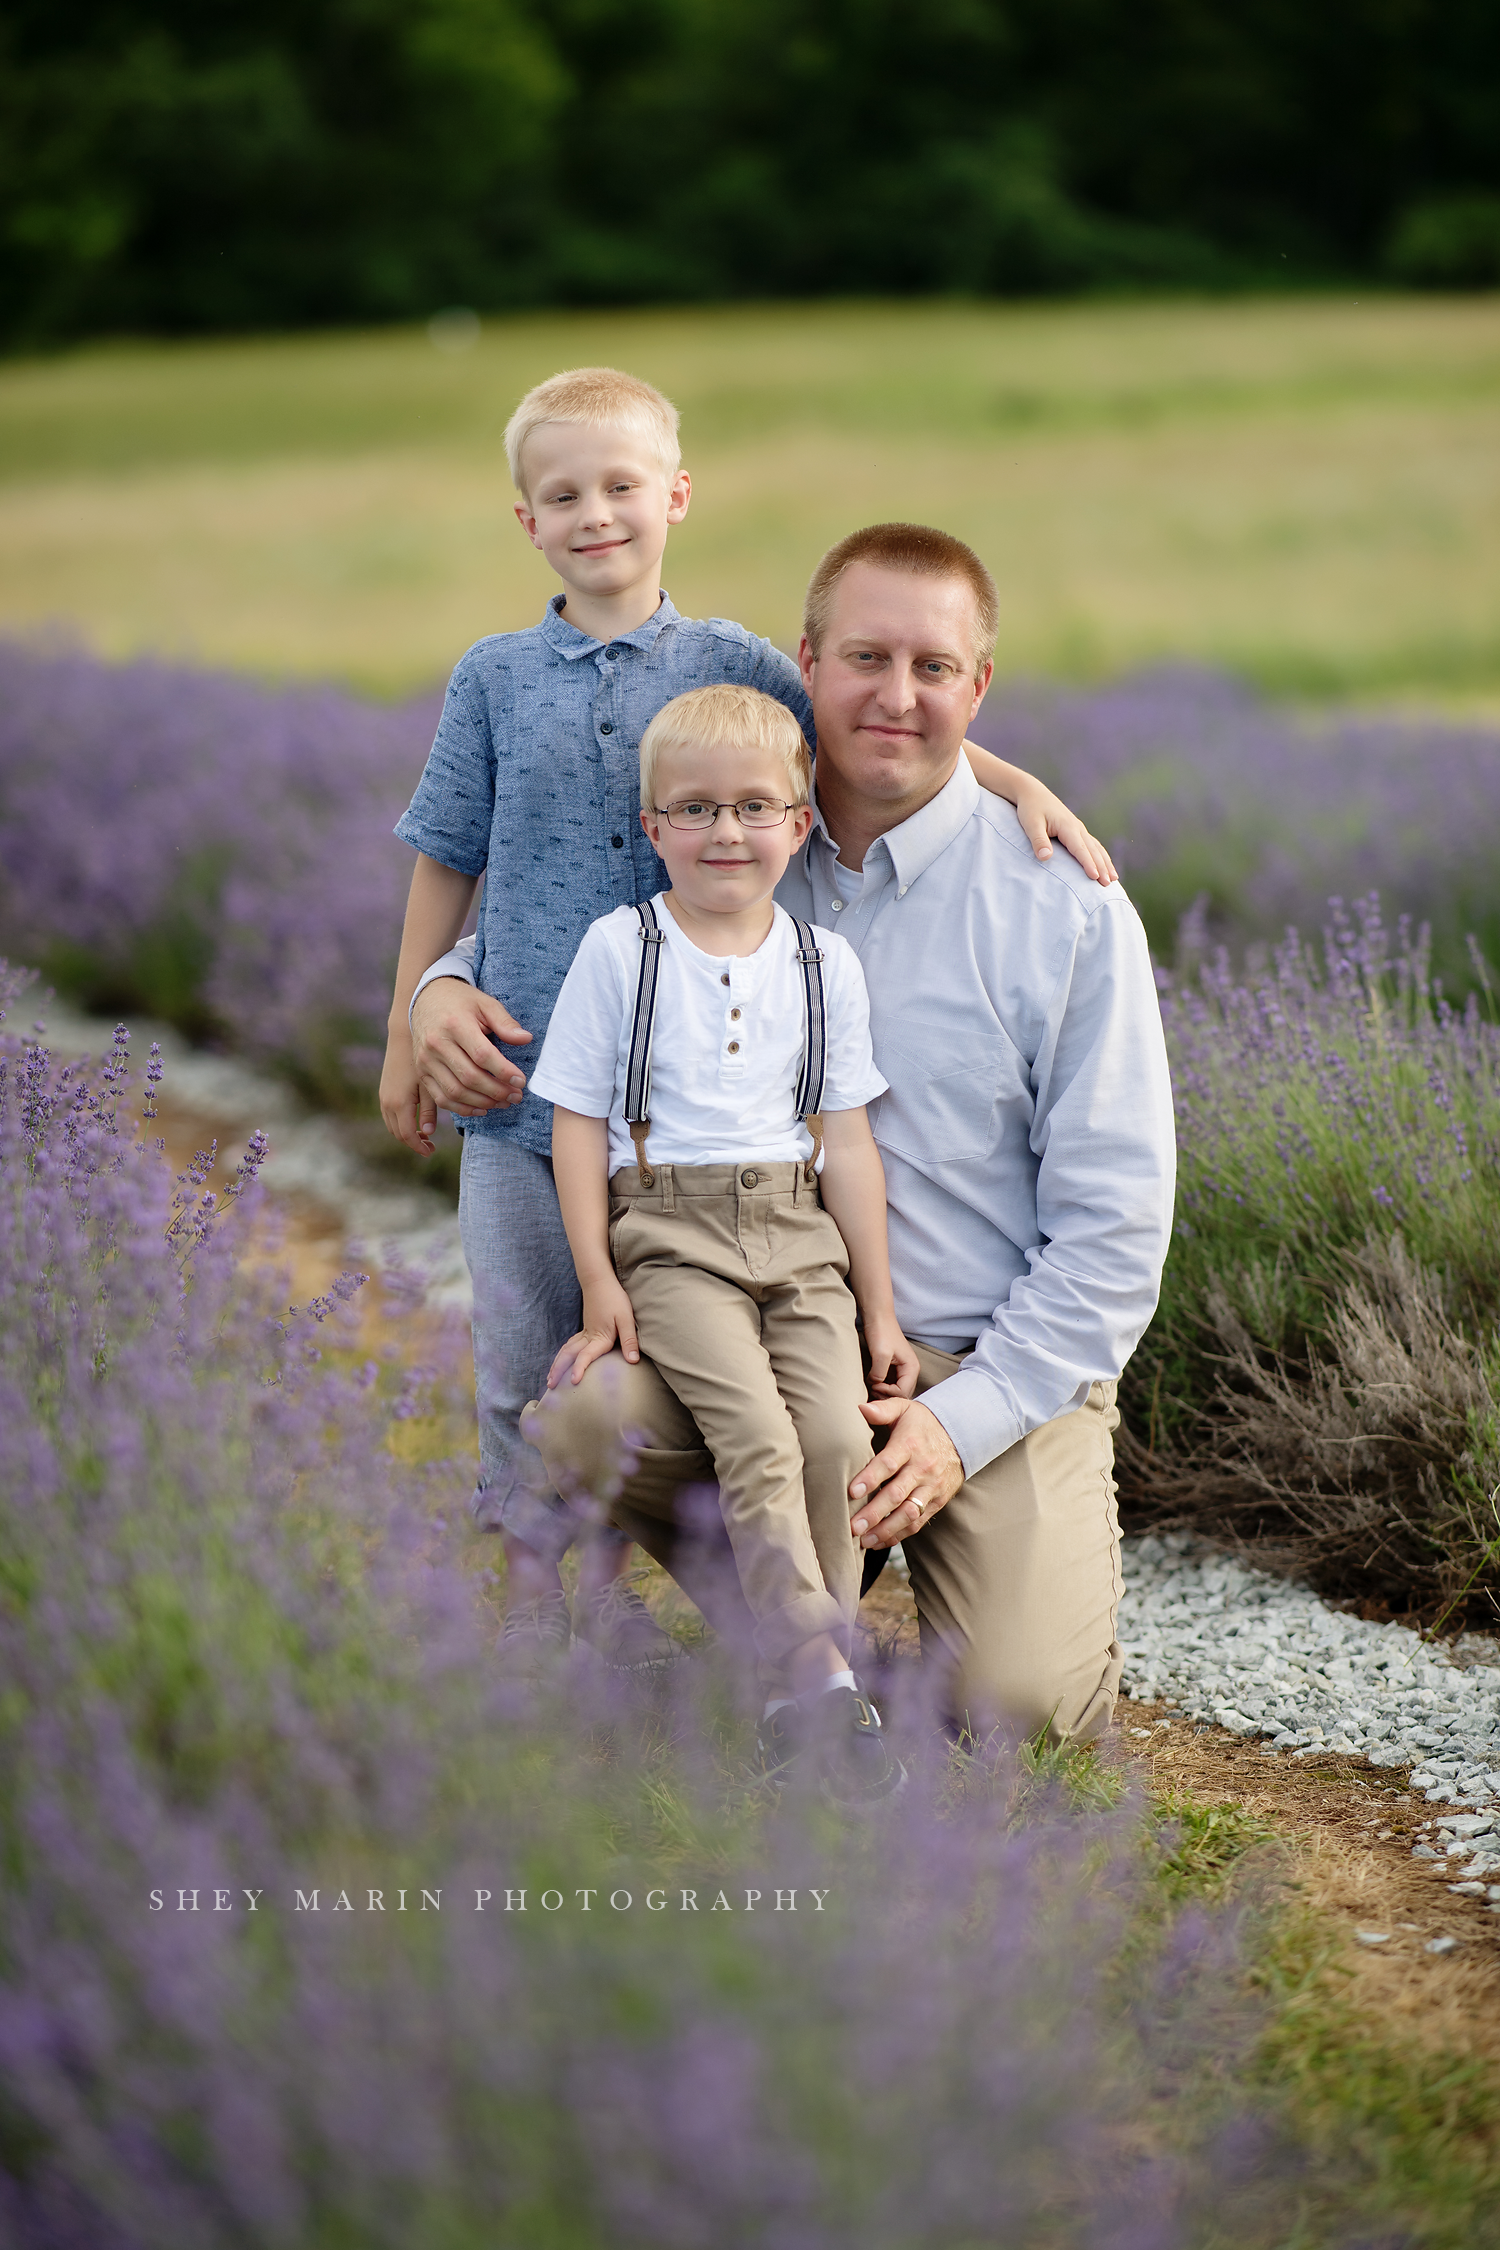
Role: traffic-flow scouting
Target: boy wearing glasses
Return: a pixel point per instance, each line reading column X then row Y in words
column 531, row 785
column 709, row 1063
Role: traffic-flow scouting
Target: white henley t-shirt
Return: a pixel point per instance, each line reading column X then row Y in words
column 727, row 1048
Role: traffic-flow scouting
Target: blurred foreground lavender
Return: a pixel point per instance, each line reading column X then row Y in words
column 242, row 1652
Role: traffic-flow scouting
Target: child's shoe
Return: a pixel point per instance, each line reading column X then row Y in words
column 842, row 1732
column 534, row 1635
column 618, row 1626
column 778, row 1739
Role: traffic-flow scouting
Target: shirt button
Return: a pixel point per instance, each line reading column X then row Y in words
column 618, row 842
column 734, row 1015
column 749, row 1179
column 607, row 726
column 734, row 1046
column 611, row 652
column 838, row 906
column 724, row 979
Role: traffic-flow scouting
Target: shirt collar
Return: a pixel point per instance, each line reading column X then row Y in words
column 570, row 643
column 916, row 843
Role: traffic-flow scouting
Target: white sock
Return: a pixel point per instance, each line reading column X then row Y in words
column 775, row 1704
column 834, row 1679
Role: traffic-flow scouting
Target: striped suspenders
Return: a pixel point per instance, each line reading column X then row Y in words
column 811, row 1076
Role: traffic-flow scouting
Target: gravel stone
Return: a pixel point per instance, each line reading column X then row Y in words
column 1260, row 1655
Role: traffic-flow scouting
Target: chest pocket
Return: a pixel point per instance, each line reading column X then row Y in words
column 952, row 1113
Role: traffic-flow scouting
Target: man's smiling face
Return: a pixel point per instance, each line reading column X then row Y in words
column 598, row 505
column 893, row 688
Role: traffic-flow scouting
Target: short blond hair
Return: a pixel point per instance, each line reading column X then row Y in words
column 726, row 718
column 919, row 550
column 600, row 397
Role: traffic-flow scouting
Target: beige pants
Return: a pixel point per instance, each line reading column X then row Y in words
column 737, row 1278
column 1016, row 1580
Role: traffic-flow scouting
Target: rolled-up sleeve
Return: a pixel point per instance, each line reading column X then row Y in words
column 1102, row 1133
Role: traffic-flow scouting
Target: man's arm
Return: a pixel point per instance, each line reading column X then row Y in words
column 1103, row 1129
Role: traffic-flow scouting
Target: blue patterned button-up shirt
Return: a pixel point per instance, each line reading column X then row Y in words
column 533, row 782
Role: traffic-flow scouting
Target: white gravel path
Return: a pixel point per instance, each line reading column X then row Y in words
column 1216, row 1640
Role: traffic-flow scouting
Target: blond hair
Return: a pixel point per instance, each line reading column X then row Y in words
column 600, row 397
column 919, row 550
column 726, row 718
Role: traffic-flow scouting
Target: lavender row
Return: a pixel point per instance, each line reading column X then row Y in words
column 208, row 850
column 316, row 1930
column 1205, row 791
column 219, row 853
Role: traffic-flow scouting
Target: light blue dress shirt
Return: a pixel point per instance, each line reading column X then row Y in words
column 1027, row 1134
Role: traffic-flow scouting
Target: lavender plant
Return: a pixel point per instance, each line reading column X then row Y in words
column 208, row 850
column 219, row 853
column 1324, row 1371
column 1205, row 790
column 313, row 1931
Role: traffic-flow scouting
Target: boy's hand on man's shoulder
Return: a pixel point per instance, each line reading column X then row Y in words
column 458, row 1067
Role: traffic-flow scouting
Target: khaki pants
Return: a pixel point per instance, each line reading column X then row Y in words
column 1016, row 1580
column 737, row 1278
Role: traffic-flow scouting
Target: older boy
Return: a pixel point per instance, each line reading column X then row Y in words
column 709, row 1062
column 532, row 783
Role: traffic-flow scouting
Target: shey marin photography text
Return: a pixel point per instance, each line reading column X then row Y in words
column 479, row 1899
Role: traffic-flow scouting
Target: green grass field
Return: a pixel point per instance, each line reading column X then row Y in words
column 1306, row 489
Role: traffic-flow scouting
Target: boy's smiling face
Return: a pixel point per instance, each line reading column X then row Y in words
column 729, row 867
column 598, row 505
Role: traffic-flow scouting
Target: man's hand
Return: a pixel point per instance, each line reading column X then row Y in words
column 608, row 1319
column 915, row 1474
column 456, row 1064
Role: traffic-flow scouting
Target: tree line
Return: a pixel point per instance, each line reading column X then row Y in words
column 180, row 165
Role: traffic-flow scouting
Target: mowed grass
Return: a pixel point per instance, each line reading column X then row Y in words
column 1307, row 490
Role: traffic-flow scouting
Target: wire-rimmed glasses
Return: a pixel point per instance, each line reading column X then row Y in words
column 698, row 812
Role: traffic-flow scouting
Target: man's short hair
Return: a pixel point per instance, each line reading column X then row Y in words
column 602, row 398
column 924, row 553
column 724, row 718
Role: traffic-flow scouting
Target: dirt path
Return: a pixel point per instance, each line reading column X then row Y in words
column 1349, row 1830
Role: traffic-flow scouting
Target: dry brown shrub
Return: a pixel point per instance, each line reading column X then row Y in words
column 1371, row 1463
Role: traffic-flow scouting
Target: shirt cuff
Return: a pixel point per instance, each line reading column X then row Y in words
column 978, row 1417
column 459, row 963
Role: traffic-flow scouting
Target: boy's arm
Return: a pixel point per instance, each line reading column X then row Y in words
column 1041, row 812
column 437, row 907
column 580, row 1166
column 853, row 1184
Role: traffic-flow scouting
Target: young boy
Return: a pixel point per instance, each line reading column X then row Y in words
column 708, row 1060
column 532, row 783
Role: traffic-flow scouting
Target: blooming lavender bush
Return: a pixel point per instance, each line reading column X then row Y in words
column 1325, row 1366
column 243, row 1659
column 208, row 850
column 1203, row 788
